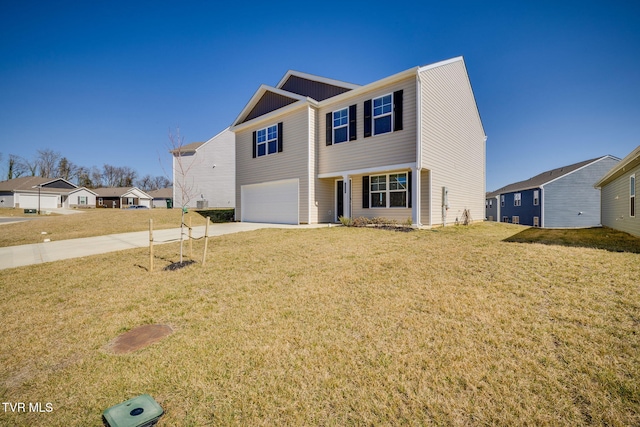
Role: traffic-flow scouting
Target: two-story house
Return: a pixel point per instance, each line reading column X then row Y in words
column 313, row 149
column 563, row 197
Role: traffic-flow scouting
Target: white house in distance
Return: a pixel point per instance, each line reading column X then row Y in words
column 31, row 192
column 619, row 189
column 204, row 173
column 408, row 146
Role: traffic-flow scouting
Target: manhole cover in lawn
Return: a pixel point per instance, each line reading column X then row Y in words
column 139, row 337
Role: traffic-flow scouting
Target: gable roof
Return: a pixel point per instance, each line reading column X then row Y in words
column 631, row 161
column 544, row 178
column 315, row 87
column 162, row 193
column 119, row 192
column 27, row 183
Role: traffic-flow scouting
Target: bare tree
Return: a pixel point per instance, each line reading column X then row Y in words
column 183, row 182
column 47, row 161
column 161, row 182
column 29, row 166
column 15, row 167
column 66, row 169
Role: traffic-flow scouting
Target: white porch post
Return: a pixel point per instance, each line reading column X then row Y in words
column 415, row 196
column 346, row 196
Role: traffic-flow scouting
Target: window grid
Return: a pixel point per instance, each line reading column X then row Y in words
column 388, row 191
column 382, row 109
column 267, row 140
column 340, row 125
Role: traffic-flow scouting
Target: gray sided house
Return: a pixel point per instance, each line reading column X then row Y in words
column 313, row 149
column 204, row 173
column 564, row 197
column 31, row 192
column 619, row 195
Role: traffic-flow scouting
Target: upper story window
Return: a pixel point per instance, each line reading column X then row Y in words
column 340, row 125
column 517, row 199
column 536, row 197
column 267, row 140
column 502, row 201
column 382, row 114
column 632, row 195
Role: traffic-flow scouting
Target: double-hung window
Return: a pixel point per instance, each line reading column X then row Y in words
column 382, row 108
column 502, row 201
column 632, row 195
column 341, row 125
column 82, row 200
column 267, row 140
column 536, row 197
column 389, row 191
column 517, row 199
column 379, row 191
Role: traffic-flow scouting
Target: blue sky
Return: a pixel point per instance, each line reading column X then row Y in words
column 556, row 82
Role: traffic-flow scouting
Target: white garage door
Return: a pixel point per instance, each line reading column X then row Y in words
column 30, row 201
column 275, row 202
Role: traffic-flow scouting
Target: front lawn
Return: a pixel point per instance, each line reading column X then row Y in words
column 88, row 223
column 333, row 326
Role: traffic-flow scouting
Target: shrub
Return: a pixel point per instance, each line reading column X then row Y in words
column 346, row 221
column 218, row 215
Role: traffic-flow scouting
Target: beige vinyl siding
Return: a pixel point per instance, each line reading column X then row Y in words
column 453, row 141
column 325, row 200
column 292, row 162
column 399, row 214
column 425, row 208
column 380, row 150
column 615, row 204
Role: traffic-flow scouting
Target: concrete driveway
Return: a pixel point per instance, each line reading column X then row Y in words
column 18, row 256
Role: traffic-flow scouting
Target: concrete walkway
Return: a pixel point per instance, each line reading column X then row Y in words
column 18, row 256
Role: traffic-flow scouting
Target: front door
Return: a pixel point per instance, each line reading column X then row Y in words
column 339, row 199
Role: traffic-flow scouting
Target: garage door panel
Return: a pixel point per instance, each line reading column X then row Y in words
column 275, row 202
column 30, row 201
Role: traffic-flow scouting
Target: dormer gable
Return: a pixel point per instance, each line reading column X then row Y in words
column 265, row 100
column 315, row 87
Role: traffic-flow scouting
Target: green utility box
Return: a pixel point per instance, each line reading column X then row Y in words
column 30, row 211
column 141, row 411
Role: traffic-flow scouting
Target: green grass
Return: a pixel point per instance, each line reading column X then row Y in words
column 333, row 326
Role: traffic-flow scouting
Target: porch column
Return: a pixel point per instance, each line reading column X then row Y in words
column 415, row 196
column 346, row 196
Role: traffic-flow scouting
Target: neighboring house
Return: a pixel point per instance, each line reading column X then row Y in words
column 121, row 197
column 204, row 173
column 31, row 192
column 162, row 198
column 559, row 198
column 313, row 149
column 619, row 190
column 81, row 198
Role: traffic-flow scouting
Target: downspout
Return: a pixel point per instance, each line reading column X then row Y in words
column 542, row 206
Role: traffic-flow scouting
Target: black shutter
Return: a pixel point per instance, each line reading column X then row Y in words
column 255, row 146
column 367, row 118
column 353, row 122
column 397, row 110
column 409, row 186
column 329, row 128
column 280, row 137
column 365, row 192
